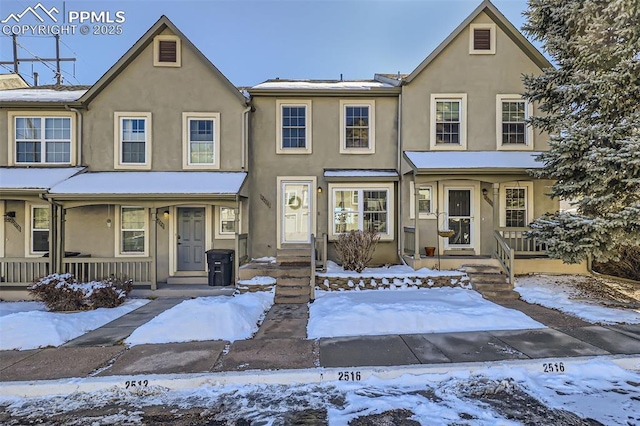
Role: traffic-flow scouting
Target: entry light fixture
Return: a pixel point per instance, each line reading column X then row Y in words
column 484, row 191
column 319, row 190
column 165, row 214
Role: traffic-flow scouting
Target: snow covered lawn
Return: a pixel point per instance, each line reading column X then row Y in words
column 578, row 296
column 28, row 325
column 408, row 311
column 394, row 271
column 206, row 318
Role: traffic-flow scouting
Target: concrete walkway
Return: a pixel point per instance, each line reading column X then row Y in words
column 119, row 329
column 280, row 344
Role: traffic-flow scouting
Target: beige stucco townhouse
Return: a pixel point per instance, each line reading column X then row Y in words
column 137, row 175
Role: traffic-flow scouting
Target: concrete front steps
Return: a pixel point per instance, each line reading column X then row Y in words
column 291, row 270
column 490, row 282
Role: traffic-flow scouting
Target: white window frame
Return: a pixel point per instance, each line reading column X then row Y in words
column 29, row 208
column 449, row 97
column 281, row 103
column 528, row 186
column 492, row 39
column 118, row 117
column 528, row 132
column 11, row 137
column 389, row 187
column 219, row 234
column 118, row 231
column 412, row 201
column 156, row 51
column 371, row 104
column 186, row 143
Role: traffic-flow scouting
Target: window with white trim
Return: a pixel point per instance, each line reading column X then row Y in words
column 367, row 208
column 133, row 140
column 482, row 39
column 42, row 140
column 516, row 204
column 357, row 122
column 39, row 230
column 512, row 131
column 448, row 122
column 293, row 133
column 227, row 220
column 425, row 203
column 201, row 140
column 133, row 230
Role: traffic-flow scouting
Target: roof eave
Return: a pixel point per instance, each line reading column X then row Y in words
column 151, row 197
column 472, row 171
column 39, row 104
column 387, row 91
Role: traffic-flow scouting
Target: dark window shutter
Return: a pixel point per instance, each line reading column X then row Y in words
column 167, row 51
column 481, row 39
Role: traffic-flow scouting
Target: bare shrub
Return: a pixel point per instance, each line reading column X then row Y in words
column 62, row 292
column 355, row 249
column 627, row 267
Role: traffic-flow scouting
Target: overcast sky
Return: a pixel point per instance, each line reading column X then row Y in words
column 251, row 41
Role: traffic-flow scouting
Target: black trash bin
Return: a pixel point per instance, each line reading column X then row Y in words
column 220, row 262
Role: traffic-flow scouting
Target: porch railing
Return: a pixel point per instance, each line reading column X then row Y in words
column 518, row 242
column 505, row 255
column 22, row 270
column 409, row 239
column 319, row 246
column 97, row 268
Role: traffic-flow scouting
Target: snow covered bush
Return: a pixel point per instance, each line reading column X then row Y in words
column 62, row 292
column 355, row 249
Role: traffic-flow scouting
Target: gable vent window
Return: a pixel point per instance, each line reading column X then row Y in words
column 166, row 51
column 482, row 39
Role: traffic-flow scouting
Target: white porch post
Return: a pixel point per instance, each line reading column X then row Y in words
column 416, row 223
column 153, row 248
column 60, row 236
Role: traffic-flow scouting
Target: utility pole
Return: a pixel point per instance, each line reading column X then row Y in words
column 16, row 60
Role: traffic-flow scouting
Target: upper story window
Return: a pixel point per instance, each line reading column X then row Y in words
column 167, row 51
column 201, row 140
column 357, row 122
column 511, row 129
column 293, row 132
column 41, row 139
column 132, row 140
column 482, row 39
column 448, row 122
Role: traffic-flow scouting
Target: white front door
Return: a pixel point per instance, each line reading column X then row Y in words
column 459, row 217
column 296, row 207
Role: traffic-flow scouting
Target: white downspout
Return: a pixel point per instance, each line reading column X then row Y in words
column 245, row 137
column 78, row 134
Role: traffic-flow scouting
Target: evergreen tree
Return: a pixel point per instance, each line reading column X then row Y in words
column 591, row 106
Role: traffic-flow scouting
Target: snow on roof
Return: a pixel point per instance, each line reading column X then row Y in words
column 322, row 85
column 34, row 177
column 150, row 183
column 473, row 160
column 359, row 173
column 40, row 95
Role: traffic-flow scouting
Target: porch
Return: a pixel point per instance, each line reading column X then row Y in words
column 514, row 253
column 22, row 271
